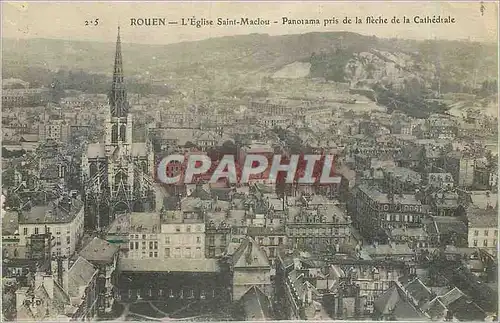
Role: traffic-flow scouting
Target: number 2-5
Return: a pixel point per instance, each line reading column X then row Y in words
column 94, row 22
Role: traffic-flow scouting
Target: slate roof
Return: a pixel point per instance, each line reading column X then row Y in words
column 256, row 305
column 394, row 250
column 482, row 218
column 394, row 301
column 80, row 275
column 446, row 224
column 164, row 265
column 52, row 213
column 145, row 222
column 99, row 251
column 249, row 254
column 419, row 291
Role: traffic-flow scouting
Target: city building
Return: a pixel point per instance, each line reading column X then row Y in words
column 374, row 210
column 64, row 292
column 183, row 234
column 63, row 219
column 250, row 268
column 104, row 256
column 482, row 229
column 317, row 228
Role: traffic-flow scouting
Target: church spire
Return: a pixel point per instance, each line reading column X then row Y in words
column 118, row 96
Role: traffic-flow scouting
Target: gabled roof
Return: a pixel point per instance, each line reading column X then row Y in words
column 394, row 302
column 80, row 275
column 100, row 251
column 250, row 255
column 256, row 305
column 419, row 291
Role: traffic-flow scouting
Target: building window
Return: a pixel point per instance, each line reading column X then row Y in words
column 156, row 254
column 485, row 243
column 280, row 241
column 68, row 240
column 25, row 231
column 198, row 239
column 177, row 229
column 167, row 252
column 188, row 228
column 156, row 244
column 198, row 228
column 177, row 253
column 476, row 233
column 131, row 245
column 144, row 237
column 36, row 230
column 58, row 241
column 144, row 245
column 188, row 252
column 496, row 233
column 485, row 233
column 150, row 254
column 271, row 241
column 150, row 244
column 167, row 240
column 137, row 245
column 475, row 243
column 261, row 241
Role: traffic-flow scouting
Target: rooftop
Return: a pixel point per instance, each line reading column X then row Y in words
column 256, row 305
column 167, row 265
column 389, row 249
column 63, row 210
column 100, row 251
column 482, row 218
column 144, row 222
column 383, row 198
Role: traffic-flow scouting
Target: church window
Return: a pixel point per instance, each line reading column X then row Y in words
column 93, row 169
column 123, row 130
column 114, row 133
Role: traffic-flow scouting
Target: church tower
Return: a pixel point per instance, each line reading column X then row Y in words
column 118, row 142
column 116, row 174
column 119, row 121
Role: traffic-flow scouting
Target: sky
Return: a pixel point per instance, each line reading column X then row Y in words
column 66, row 20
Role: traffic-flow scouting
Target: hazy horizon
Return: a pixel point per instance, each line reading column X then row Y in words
column 65, row 21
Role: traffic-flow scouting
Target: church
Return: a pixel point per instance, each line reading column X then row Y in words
column 117, row 175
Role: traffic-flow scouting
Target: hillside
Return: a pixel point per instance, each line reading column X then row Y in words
column 339, row 56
